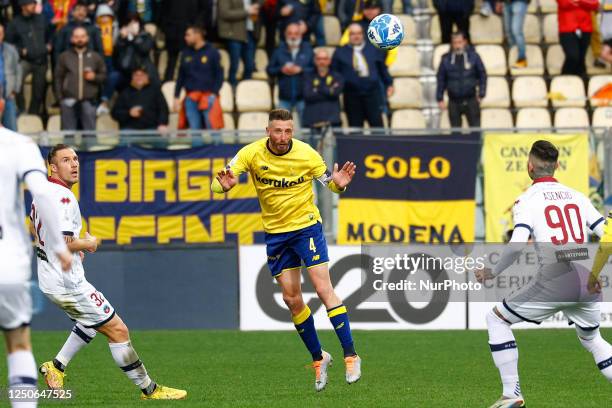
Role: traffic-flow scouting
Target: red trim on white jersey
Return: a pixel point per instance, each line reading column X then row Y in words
column 547, row 179
column 58, row 181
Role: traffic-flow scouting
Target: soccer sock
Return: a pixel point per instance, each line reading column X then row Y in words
column 78, row 338
column 602, row 353
column 304, row 324
column 338, row 317
column 505, row 354
column 126, row 358
column 22, row 374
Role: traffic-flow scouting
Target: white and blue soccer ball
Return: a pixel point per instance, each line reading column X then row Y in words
column 386, row 31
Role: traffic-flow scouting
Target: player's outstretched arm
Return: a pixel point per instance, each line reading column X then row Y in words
column 340, row 178
column 224, row 181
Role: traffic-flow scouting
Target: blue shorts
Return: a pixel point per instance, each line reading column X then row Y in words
column 287, row 250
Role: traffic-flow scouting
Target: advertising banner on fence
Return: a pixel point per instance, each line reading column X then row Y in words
column 409, row 189
column 130, row 195
column 505, row 173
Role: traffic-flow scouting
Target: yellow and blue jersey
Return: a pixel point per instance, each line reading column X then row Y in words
column 283, row 183
column 605, row 249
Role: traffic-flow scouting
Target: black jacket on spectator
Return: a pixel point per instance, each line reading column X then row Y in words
column 322, row 98
column 304, row 10
column 342, row 63
column 290, row 87
column 460, row 77
column 152, row 102
column 63, row 37
column 175, row 16
column 129, row 54
column 454, row 6
column 30, row 35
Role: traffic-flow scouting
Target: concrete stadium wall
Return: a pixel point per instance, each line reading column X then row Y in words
column 154, row 287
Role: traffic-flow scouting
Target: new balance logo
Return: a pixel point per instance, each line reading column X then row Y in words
column 316, row 258
column 263, row 168
column 282, row 183
column 341, row 325
column 300, row 331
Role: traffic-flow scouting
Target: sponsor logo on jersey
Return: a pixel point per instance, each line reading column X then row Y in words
column 282, row 183
column 65, row 200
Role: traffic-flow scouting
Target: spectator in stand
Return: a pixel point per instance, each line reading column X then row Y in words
column 78, row 76
column 61, row 12
column 363, row 68
column 462, row 74
column 79, row 19
column 575, row 28
column 606, row 31
column 30, row 34
column 454, row 12
column 109, row 31
column 322, row 90
column 290, row 61
column 141, row 106
column 175, row 17
column 270, row 22
column 133, row 49
column 201, row 75
column 146, row 9
column 305, row 13
column 10, row 81
column 514, row 19
column 238, row 25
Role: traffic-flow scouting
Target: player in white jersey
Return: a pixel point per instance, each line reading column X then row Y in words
column 552, row 215
column 80, row 300
column 21, row 161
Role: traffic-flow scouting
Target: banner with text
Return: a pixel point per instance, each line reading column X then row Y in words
column 505, row 173
column 130, row 195
column 409, row 189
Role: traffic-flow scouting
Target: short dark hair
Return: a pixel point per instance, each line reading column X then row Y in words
column 279, row 114
column 54, row 150
column 545, row 151
column 80, row 3
column 197, row 29
column 459, row 33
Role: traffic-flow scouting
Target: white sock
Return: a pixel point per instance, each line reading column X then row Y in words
column 601, row 350
column 505, row 354
column 22, row 374
column 78, row 338
column 126, row 358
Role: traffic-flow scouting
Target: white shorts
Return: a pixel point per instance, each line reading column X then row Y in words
column 585, row 315
column 87, row 306
column 15, row 305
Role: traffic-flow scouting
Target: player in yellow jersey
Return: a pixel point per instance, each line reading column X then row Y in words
column 603, row 253
column 282, row 170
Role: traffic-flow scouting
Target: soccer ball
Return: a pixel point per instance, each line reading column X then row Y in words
column 386, row 32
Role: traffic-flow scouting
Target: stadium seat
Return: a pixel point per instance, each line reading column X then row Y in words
column 410, row 32
column 408, row 62
column 529, row 92
column 445, row 121
column 29, row 124
column 54, row 124
column 602, row 117
column 551, row 29
column 548, row 6
column 554, row 59
column 486, row 30
column 108, row 129
column 168, row 92
column 228, row 121
column 567, row 90
column 532, row 29
column 434, row 29
column 226, row 94
column 493, row 58
column 571, row 118
column 496, row 119
column 533, row 7
column 408, row 94
column 261, row 62
column 173, row 119
column 498, row 93
column 408, row 119
column 253, row 121
column 333, row 33
column 439, row 51
column 595, row 83
column 225, row 64
column 591, row 68
column 533, row 118
column 26, row 90
column 253, row 95
column 535, row 61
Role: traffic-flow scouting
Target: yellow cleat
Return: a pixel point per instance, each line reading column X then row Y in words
column 53, row 377
column 165, row 393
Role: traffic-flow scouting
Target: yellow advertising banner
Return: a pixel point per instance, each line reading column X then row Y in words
column 504, row 159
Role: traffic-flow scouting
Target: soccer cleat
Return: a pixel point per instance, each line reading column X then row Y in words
column 165, row 393
column 53, row 377
column 320, row 368
column 353, row 368
column 520, row 64
column 509, row 403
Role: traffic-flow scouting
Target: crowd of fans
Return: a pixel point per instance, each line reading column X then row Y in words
column 103, row 60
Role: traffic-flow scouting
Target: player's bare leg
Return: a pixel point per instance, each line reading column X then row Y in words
column 21, row 364
column 291, row 285
column 505, row 355
column 126, row 358
column 337, row 313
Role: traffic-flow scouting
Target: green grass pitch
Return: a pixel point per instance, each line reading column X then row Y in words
column 268, row 369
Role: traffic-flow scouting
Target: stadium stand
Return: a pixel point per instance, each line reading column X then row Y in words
column 529, row 91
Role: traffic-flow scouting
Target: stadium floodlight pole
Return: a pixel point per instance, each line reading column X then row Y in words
column 327, row 147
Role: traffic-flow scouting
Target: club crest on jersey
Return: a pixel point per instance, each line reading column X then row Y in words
column 106, row 309
column 65, row 200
